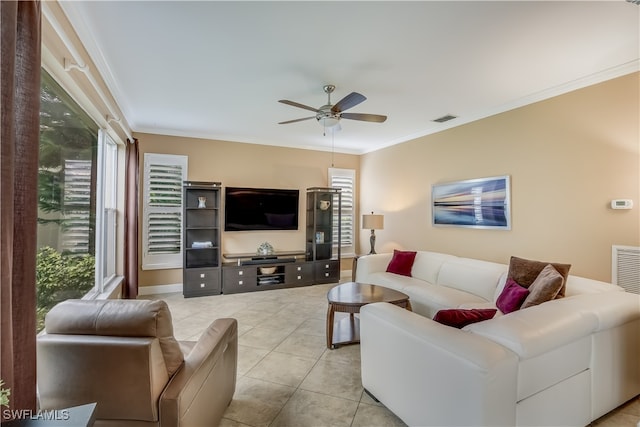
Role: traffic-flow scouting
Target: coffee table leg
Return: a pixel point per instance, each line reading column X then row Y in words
column 330, row 316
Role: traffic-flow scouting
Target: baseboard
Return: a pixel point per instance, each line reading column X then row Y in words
column 160, row 289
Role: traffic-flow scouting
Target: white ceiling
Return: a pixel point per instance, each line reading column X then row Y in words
column 216, row 70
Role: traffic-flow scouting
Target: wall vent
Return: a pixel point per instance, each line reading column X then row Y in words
column 625, row 267
column 445, row 118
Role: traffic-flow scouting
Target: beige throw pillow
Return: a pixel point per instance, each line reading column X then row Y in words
column 524, row 271
column 545, row 287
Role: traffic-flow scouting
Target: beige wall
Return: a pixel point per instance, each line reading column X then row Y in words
column 250, row 165
column 568, row 157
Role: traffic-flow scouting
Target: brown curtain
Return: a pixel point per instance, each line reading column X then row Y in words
column 19, row 140
column 130, row 289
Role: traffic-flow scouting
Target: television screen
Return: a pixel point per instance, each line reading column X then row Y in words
column 260, row 209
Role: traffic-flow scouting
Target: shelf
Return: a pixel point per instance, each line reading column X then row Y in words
column 250, row 255
column 202, row 249
column 270, row 279
column 201, row 227
column 195, row 208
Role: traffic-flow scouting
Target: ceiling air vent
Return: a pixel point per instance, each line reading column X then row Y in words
column 445, row 118
column 634, row 1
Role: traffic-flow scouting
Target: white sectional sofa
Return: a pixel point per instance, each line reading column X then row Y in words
column 563, row 362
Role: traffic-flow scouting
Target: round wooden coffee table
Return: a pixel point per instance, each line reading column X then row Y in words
column 348, row 298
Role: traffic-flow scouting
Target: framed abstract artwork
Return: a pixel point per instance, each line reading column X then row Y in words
column 475, row 203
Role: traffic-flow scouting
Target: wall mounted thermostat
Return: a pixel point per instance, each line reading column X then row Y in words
column 621, row 204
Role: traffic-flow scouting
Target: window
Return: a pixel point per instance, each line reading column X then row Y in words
column 345, row 179
column 106, row 213
column 162, row 210
column 67, row 182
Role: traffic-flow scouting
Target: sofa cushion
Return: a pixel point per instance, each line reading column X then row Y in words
column 473, row 276
column 545, row 287
column 459, row 318
column 541, row 328
column 401, row 262
column 427, row 265
column 426, row 299
column 525, row 271
column 512, row 297
column 394, row 281
column 581, row 285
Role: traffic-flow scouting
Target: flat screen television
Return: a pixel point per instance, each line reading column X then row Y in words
column 260, row 209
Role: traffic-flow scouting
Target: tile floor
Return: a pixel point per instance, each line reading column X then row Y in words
column 286, row 375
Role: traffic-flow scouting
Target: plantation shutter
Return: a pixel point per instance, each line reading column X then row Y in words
column 345, row 180
column 77, row 207
column 164, row 176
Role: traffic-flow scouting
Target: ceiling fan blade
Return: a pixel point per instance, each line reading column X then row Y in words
column 296, row 104
column 296, row 120
column 349, row 101
column 364, row 117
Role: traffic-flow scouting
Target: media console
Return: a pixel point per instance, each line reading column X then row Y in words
column 250, row 272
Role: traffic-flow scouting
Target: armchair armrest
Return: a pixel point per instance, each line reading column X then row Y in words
column 422, row 370
column 200, row 391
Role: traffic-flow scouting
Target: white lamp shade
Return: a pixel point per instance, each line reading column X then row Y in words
column 373, row 222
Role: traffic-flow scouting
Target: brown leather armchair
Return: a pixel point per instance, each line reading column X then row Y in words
column 122, row 355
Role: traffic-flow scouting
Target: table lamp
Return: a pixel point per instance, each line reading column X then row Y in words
column 373, row 222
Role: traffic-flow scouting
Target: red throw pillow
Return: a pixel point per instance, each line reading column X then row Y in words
column 459, row 318
column 401, row 262
column 511, row 297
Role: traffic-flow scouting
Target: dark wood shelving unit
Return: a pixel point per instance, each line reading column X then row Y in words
column 324, row 232
column 201, row 237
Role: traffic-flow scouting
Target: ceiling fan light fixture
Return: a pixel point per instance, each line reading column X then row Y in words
column 329, row 121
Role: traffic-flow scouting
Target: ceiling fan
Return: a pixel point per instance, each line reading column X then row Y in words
column 329, row 115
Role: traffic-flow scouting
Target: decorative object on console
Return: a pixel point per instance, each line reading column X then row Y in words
column 267, row 270
column 525, row 271
column 265, row 248
column 200, row 245
column 511, row 297
column 475, row 203
column 459, row 317
column 373, row 222
column 401, row 262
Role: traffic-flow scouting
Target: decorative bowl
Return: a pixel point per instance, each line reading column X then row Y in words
column 265, row 249
column 267, row 270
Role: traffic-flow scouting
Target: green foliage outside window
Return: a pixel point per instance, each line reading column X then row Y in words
column 60, row 277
